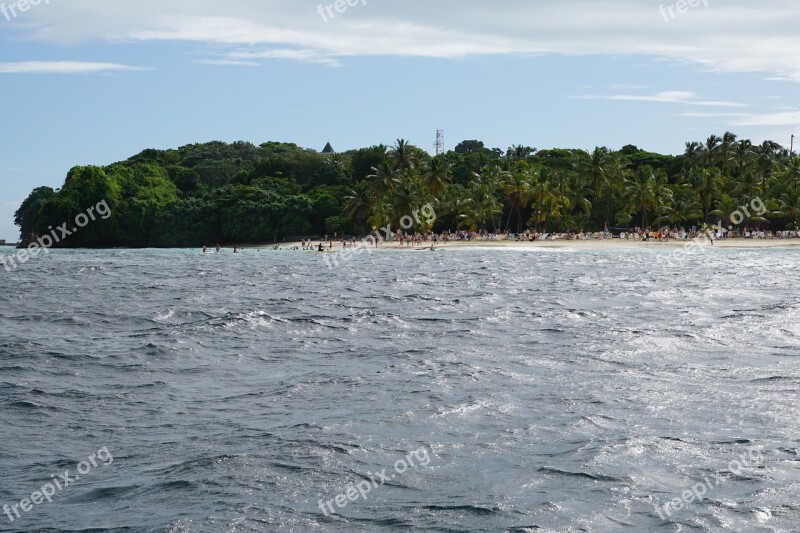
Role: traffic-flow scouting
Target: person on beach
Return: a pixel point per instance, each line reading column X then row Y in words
column 710, row 235
column 205, row 249
column 219, row 248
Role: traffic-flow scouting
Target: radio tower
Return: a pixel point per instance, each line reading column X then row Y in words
column 439, row 142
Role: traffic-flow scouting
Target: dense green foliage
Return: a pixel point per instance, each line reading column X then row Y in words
column 228, row 193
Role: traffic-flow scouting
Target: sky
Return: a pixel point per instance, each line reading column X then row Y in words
column 97, row 81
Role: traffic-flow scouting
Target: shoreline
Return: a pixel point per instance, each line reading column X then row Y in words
column 593, row 244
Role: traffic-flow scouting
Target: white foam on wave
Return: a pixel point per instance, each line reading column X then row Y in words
column 169, row 313
column 517, row 249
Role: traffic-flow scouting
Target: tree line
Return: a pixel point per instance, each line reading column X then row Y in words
column 242, row 193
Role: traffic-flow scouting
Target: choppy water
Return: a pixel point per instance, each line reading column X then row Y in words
column 550, row 390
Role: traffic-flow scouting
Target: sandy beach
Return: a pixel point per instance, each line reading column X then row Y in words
column 589, row 244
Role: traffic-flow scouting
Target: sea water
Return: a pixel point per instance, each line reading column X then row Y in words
column 470, row 390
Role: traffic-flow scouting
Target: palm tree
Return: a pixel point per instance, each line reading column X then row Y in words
column 790, row 205
column 640, row 192
column 383, row 180
column 516, row 186
column 576, row 190
column 485, row 205
column 706, row 182
column 746, row 186
column 438, row 176
column 408, row 197
column 766, row 162
column 717, row 176
column 593, row 167
column 743, row 156
column 728, row 140
column 556, row 205
column 682, row 211
column 727, row 158
column 403, row 156
column 726, row 206
column 548, row 202
column 359, row 204
column 381, row 216
column 615, row 175
column 792, row 171
column 692, row 155
column 662, row 194
column 458, row 204
column 712, row 150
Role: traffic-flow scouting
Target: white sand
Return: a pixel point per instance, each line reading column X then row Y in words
column 593, row 244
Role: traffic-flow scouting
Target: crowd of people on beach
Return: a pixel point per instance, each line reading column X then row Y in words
column 662, row 234
column 432, row 240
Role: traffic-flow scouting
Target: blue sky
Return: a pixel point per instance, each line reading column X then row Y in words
column 93, row 82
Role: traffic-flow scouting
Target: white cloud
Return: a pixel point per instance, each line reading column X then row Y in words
column 665, row 97
column 782, row 121
column 308, row 56
column 734, row 36
column 62, row 67
column 227, row 63
column 629, row 87
column 710, row 115
column 784, row 118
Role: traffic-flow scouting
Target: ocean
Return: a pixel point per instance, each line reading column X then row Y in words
column 462, row 390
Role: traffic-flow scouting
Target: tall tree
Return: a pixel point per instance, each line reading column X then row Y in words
column 640, row 192
column 516, row 186
column 438, row 175
column 766, row 162
column 404, row 156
